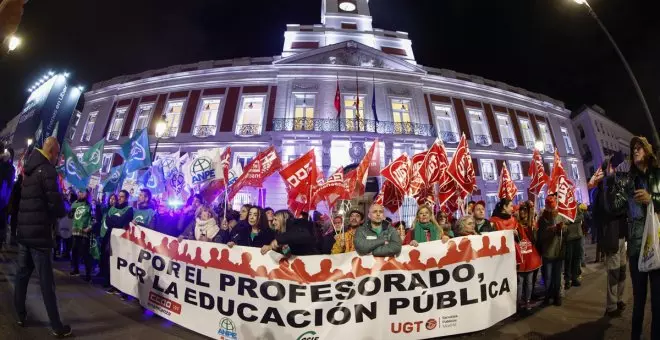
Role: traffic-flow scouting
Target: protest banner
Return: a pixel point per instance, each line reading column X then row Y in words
column 436, row 289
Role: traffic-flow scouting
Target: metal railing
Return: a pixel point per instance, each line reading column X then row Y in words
column 204, row 130
column 489, row 176
column 549, row 148
column 247, row 130
column 351, row 125
column 569, row 150
column 482, row 140
column 449, row 137
column 529, row 145
column 113, row 136
column 509, row 143
column 170, row 132
column 516, row 176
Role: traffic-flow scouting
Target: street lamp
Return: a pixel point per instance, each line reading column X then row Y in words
column 29, row 142
column 161, row 126
column 14, row 42
column 656, row 136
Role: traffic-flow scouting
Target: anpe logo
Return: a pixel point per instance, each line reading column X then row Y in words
column 227, row 330
column 202, row 169
column 309, row 335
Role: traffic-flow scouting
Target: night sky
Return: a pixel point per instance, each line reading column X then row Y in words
column 548, row 46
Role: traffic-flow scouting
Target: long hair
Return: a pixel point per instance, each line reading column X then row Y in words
column 463, row 222
column 248, row 207
column 431, row 218
column 282, row 216
column 499, row 207
column 262, row 220
column 207, row 208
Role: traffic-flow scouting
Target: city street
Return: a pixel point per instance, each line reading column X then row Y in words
column 94, row 314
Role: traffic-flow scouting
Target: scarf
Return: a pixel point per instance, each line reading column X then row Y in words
column 209, row 228
column 420, row 232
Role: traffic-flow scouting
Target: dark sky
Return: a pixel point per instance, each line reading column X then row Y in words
column 548, row 46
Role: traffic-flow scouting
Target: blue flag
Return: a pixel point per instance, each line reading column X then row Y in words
column 74, row 172
column 136, row 152
column 114, row 179
column 154, row 180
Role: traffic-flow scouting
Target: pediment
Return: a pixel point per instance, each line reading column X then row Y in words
column 350, row 53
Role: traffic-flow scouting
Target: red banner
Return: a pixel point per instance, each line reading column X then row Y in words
column 434, row 165
column 255, row 172
column 374, row 167
column 560, row 184
column 461, row 168
column 389, row 197
column 331, row 190
column 360, row 181
column 417, row 184
column 300, row 177
column 537, row 173
column 507, row 188
column 398, row 172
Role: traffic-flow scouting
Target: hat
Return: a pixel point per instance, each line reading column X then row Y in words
column 551, row 202
column 648, row 149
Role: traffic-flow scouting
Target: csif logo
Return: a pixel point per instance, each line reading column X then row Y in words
column 309, row 335
column 80, row 211
column 137, row 151
column 114, row 178
column 71, row 167
column 95, row 158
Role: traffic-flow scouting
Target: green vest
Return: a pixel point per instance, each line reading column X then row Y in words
column 143, row 217
column 82, row 215
column 112, row 211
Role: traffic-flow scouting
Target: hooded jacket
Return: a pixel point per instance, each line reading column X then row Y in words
column 367, row 242
column 41, row 203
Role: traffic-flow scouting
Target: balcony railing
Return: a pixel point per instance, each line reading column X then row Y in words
column 489, row 176
column 449, row 137
column 351, row 125
column 509, row 143
column 569, row 150
column 87, row 137
column 113, row 136
column 529, row 145
column 204, row 130
column 516, row 176
column 247, row 130
column 549, row 148
column 482, row 140
column 170, row 132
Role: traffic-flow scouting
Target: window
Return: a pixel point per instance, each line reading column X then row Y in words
column 173, row 118
column 540, row 199
column 72, row 128
column 303, row 111
column 106, row 163
column 205, row 124
column 506, row 130
column 244, row 158
column 528, row 134
column 519, row 198
column 578, row 195
column 446, row 124
column 117, row 124
column 488, row 170
column 575, row 172
column 581, row 131
column 567, row 141
column 354, row 115
column 516, row 170
column 89, row 127
column 251, row 116
column 401, row 114
column 142, row 118
column 547, row 138
column 479, row 128
column 491, row 202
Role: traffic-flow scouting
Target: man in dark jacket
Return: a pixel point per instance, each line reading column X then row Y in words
column 376, row 237
column 119, row 216
column 7, row 171
column 40, row 206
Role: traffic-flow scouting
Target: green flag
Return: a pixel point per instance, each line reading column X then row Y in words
column 92, row 160
column 114, row 179
column 74, row 172
column 136, row 152
column 94, row 248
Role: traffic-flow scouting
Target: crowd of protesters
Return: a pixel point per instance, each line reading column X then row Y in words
column 616, row 216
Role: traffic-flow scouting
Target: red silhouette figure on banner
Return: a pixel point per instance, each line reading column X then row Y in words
column 392, row 264
column 326, row 273
column 415, row 263
column 503, row 248
column 283, row 272
column 245, row 267
column 487, row 250
column 298, row 268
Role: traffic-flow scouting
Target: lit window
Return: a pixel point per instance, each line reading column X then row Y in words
column 303, row 111
column 142, row 118
column 508, row 139
column 491, row 202
column 72, row 128
column 251, row 116
column 547, row 138
column 575, row 172
column 479, row 129
column 173, row 118
column 117, row 123
column 578, row 195
column 488, row 170
column 106, row 163
column 567, row 141
column 446, row 124
column 401, row 114
column 528, row 134
column 205, row 125
column 519, row 198
column 354, row 115
column 516, row 170
column 89, row 127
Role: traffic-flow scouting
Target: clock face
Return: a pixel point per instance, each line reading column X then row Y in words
column 347, row 6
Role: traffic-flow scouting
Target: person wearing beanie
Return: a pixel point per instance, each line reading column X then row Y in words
column 551, row 246
column 634, row 192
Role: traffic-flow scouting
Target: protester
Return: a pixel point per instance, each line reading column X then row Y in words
column 119, row 216
column 552, row 249
column 205, row 228
column 482, row 225
column 635, row 191
column 254, row 232
column 269, row 215
column 296, row 238
column 189, row 211
column 443, row 221
column 502, row 216
column 14, row 202
column 244, row 212
column 424, row 229
column 40, row 206
column 466, row 226
column 376, row 237
column 344, row 243
column 81, row 214
column 573, row 259
column 144, row 213
column 7, row 171
column 331, row 235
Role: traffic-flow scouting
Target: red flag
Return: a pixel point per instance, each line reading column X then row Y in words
column 360, row 181
column 507, row 187
column 338, row 100
column 461, row 168
column 374, row 167
column 398, row 172
column 416, row 182
column 560, row 184
column 537, row 173
column 331, row 190
column 300, row 178
column 255, row 172
column 434, row 165
column 389, row 197
column 225, row 159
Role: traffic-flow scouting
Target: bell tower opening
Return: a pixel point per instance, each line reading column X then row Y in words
column 346, row 14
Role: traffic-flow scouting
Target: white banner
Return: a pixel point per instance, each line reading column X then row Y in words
column 436, row 289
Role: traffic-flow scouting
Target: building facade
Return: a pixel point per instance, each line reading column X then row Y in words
column 599, row 137
column 288, row 101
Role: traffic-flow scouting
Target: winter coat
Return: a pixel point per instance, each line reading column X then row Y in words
column 367, row 242
column 486, row 227
column 299, row 236
column 574, row 229
column 611, row 225
column 189, row 234
column 41, row 203
column 551, row 239
column 241, row 236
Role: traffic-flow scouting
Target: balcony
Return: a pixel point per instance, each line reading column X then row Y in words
column 203, row 131
column 449, row 137
column 248, row 130
column 351, row 125
column 489, row 176
column 482, row 140
column 529, row 145
column 170, row 132
column 509, row 143
column 113, row 136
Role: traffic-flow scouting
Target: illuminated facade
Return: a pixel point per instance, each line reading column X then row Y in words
column 288, row 101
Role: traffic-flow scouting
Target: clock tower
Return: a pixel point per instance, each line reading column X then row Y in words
column 346, row 14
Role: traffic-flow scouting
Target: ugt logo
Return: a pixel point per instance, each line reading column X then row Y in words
column 202, row 169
